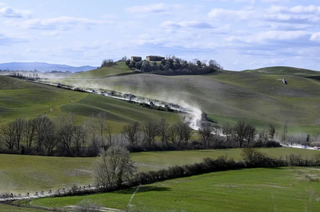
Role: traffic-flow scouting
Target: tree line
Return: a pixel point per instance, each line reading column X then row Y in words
column 114, row 170
column 63, row 137
column 172, row 65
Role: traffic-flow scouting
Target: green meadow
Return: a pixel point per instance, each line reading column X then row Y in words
column 282, row 189
column 257, row 96
column 26, row 99
column 14, row 208
column 21, row 173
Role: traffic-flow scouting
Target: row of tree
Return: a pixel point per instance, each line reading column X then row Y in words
column 41, row 135
column 173, row 65
column 113, row 169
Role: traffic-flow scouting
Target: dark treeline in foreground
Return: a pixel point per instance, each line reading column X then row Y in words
column 43, row 136
column 172, row 65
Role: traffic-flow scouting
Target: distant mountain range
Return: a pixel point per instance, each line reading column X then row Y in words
column 42, row 67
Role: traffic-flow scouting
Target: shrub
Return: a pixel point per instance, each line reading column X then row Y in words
column 88, row 206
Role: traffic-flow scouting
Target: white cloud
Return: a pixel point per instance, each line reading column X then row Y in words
column 60, row 23
column 311, row 9
column 7, row 40
column 276, row 1
column 151, row 8
column 224, row 14
column 315, row 36
column 269, row 36
column 187, row 24
column 9, row 12
column 280, row 35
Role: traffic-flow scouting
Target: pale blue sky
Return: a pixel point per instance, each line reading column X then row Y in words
column 239, row 34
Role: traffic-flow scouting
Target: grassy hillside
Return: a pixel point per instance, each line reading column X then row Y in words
column 281, row 189
column 12, row 208
column 119, row 68
column 284, row 70
column 21, row 173
column 21, row 98
column 230, row 96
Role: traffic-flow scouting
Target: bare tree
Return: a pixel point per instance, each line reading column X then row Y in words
column 150, row 130
column 284, row 132
column 113, row 167
column 184, row 132
column 240, row 132
column 8, row 135
column 29, row 132
column 50, row 140
column 130, row 132
column 272, row 131
column 79, row 139
column 172, row 134
column 250, row 133
column 43, row 126
column 65, row 131
column 101, row 123
column 227, row 131
column 205, row 135
column 19, row 125
column 163, row 128
column 109, row 134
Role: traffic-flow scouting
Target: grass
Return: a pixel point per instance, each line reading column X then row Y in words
column 20, row 173
column 13, row 208
column 281, row 70
column 119, row 68
column 281, row 189
column 231, row 96
column 252, row 96
column 21, row 98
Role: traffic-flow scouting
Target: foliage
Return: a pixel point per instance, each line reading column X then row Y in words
column 88, row 206
column 112, row 168
column 107, row 63
column 175, row 66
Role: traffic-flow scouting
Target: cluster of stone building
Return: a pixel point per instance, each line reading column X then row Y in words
column 150, row 58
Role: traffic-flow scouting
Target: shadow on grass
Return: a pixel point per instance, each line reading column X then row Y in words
column 314, row 77
column 143, row 189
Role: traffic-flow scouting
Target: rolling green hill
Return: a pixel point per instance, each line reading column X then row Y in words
column 21, row 98
column 229, row 96
column 44, row 172
column 282, row 189
column 284, row 70
column 119, row 68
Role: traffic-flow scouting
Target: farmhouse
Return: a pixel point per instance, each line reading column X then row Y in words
column 136, row 58
column 154, row 58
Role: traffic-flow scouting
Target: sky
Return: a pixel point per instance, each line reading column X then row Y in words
column 238, row 34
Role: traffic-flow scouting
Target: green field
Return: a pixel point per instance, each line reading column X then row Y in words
column 25, row 99
column 13, row 208
column 119, row 68
column 281, row 189
column 255, row 96
column 19, row 173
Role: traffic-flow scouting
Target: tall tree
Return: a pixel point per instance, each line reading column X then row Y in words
column 150, row 131
column 65, row 131
column 130, row 132
column 240, row 132
column 19, row 125
column 205, row 135
column 8, row 135
column 43, row 126
column 163, row 128
column 113, row 167
column 29, row 132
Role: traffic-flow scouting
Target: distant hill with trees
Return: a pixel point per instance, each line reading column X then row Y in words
column 172, row 65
